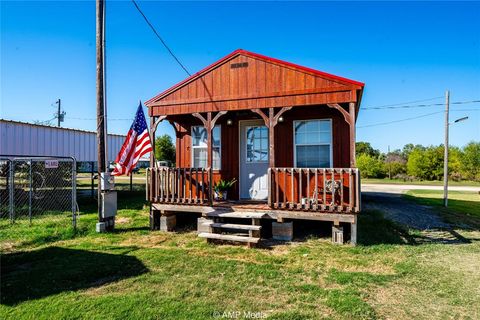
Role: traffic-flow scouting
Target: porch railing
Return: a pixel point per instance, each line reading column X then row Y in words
column 178, row 185
column 315, row 189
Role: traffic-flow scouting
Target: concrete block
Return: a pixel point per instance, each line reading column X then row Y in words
column 203, row 225
column 100, row 227
column 337, row 235
column 168, row 223
column 282, row 231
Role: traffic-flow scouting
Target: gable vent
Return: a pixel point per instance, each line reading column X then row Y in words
column 239, row 65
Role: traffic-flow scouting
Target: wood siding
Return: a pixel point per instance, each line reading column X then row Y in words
column 284, row 144
column 259, row 84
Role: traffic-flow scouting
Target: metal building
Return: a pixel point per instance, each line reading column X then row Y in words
column 26, row 139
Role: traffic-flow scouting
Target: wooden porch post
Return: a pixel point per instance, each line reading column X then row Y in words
column 271, row 138
column 152, row 138
column 154, row 122
column 270, row 122
column 209, row 129
column 209, row 124
column 353, row 162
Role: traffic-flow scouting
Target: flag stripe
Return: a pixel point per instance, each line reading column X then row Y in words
column 136, row 145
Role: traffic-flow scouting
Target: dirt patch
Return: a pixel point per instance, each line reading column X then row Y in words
column 122, row 220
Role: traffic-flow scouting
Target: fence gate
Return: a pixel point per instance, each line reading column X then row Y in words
column 38, row 190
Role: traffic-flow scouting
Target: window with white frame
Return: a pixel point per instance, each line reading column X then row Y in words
column 313, row 143
column 200, row 149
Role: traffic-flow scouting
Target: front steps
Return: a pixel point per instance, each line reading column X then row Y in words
column 213, row 228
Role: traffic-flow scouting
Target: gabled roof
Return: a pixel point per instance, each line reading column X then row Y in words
column 260, row 57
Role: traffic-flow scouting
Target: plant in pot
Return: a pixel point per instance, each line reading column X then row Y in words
column 221, row 188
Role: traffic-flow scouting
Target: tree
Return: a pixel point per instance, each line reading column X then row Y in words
column 470, row 161
column 164, row 149
column 370, row 167
column 366, row 148
column 395, row 163
column 426, row 163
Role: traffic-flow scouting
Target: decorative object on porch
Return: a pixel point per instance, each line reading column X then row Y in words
column 221, row 188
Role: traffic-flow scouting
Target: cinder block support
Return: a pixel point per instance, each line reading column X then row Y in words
column 337, row 234
column 203, row 225
column 282, row 231
column 154, row 219
column 168, row 223
column 353, row 232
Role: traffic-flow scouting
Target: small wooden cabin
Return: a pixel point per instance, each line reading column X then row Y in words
column 285, row 132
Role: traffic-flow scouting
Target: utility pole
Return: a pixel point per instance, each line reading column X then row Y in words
column 59, row 102
column 389, row 164
column 100, row 7
column 59, row 115
column 445, row 156
column 107, row 198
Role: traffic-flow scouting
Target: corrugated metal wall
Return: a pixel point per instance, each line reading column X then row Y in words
column 24, row 139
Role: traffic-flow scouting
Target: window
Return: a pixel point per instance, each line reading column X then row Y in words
column 199, row 147
column 313, row 143
column 257, row 143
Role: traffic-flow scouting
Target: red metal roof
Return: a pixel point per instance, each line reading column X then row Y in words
column 258, row 56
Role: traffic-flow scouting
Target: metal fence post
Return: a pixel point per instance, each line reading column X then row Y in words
column 30, row 193
column 74, row 193
column 11, row 199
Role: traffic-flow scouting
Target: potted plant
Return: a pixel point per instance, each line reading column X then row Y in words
column 221, row 188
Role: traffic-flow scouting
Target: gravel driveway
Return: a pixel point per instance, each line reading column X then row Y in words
column 389, row 200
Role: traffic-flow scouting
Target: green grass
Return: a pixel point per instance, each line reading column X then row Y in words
column 419, row 182
column 134, row 273
column 463, row 206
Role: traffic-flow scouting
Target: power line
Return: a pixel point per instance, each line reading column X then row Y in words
column 400, row 120
column 73, row 118
column 408, row 102
column 160, row 38
column 419, row 105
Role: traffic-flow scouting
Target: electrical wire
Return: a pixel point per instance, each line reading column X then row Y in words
column 408, row 102
column 91, row 119
column 400, row 120
column 419, row 105
column 160, row 38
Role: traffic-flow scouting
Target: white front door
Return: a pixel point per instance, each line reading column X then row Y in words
column 253, row 160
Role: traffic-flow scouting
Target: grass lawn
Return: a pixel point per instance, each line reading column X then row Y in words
column 134, row 273
column 418, row 182
column 463, row 206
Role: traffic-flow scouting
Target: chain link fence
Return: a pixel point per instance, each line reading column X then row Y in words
column 38, row 190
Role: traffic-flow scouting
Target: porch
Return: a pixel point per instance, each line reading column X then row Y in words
column 332, row 190
column 284, row 132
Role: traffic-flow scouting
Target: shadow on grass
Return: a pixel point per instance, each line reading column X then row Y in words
column 40, row 273
column 374, row 229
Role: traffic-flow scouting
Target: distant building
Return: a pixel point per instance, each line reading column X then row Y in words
column 26, row 139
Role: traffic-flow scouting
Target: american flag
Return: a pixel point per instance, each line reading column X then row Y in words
column 136, row 145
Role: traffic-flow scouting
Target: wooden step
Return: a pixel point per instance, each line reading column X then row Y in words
column 228, row 237
column 236, row 214
column 235, row 226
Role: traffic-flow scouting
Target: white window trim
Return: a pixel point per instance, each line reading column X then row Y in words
column 192, row 162
column 317, row 144
column 246, row 144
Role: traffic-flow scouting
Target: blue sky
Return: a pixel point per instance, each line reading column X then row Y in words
column 402, row 51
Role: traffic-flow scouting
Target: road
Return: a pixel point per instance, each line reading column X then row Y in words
column 402, row 188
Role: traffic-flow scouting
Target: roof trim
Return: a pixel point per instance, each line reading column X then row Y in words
column 258, row 56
